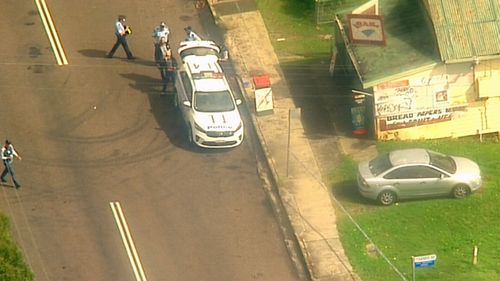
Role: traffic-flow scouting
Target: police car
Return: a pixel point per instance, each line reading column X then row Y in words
column 205, row 99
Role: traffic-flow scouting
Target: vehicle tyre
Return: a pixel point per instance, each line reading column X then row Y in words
column 176, row 103
column 461, row 191
column 387, row 197
column 190, row 135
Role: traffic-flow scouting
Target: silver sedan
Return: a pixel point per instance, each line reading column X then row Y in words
column 415, row 173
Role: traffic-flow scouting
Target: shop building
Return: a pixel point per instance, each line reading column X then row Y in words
column 428, row 69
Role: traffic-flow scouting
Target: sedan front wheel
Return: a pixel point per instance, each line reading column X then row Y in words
column 387, row 197
column 460, row 191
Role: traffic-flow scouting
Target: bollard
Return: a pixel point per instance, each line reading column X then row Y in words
column 474, row 255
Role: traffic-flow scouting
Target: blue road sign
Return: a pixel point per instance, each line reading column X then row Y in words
column 424, row 261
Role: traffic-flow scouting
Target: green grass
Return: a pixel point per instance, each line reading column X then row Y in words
column 12, row 266
column 449, row 228
column 294, row 21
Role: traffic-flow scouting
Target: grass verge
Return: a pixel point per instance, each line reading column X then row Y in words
column 12, row 266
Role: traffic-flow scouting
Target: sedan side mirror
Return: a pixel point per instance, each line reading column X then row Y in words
column 238, row 101
column 186, row 103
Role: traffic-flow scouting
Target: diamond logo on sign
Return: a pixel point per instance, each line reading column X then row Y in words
column 366, row 29
column 368, row 32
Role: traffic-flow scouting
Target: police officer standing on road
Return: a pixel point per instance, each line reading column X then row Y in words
column 191, row 35
column 161, row 31
column 8, row 154
column 161, row 51
column 121, row 31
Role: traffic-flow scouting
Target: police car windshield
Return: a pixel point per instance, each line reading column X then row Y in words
column 213, row 101
column 199, row 51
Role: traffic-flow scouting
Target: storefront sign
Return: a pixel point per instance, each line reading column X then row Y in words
column 366, row 29
column 417, row 118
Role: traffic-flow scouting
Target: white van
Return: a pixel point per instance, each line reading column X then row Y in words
column 205, row 99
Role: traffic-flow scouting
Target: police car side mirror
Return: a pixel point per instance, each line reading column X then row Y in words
column 238, row 101
column 186, row 103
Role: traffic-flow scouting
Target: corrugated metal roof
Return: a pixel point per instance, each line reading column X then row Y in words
column 466, row 28
column 410, row 44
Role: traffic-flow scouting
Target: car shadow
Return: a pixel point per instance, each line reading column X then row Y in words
column 347, row 191
column 347, row 194
column 167, row 116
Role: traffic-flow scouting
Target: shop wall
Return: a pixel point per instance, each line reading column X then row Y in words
column 488, row 78
column 442, row 102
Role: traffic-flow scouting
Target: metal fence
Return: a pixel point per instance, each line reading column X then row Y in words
column 325, row 11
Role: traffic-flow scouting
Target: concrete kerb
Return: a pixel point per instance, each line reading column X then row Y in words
column 277, row 205
column 301, row 248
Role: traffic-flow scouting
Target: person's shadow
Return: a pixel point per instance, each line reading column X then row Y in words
column 92, row 53
column 145, row 84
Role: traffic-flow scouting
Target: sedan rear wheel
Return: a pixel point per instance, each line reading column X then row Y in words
column 387, row 197
column 461, row 191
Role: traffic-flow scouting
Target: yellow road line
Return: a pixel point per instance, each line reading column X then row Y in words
column 128, row 242
column 51, row 32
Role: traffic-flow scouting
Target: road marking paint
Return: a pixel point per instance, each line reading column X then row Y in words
column 128, row 242
column 51, row 32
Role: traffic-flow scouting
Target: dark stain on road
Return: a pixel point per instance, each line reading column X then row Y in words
column 185, row 18
column 37, row 68
column 34, row 52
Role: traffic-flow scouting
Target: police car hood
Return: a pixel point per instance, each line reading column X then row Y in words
column 218, row 121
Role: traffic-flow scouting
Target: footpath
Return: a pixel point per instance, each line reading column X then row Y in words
column 306, row 199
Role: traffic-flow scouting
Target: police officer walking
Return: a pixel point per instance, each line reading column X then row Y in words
column 121, row 31
column 8, row 153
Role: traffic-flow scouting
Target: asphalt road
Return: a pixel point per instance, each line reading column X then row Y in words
column 97, row 131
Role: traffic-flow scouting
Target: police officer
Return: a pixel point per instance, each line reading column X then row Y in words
column 160, row 31
column 191, row 35
column 8, row 153
column 121, row 31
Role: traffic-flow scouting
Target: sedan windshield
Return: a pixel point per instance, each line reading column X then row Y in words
column 199, row 51
column 442, row 161
column 213, row 101
column 380, row 164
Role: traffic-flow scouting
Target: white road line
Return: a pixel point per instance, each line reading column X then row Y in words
column 51, row 32
column 128, row 242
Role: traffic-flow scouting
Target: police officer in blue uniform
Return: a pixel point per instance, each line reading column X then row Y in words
column 121, row 32
column 8, row 153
